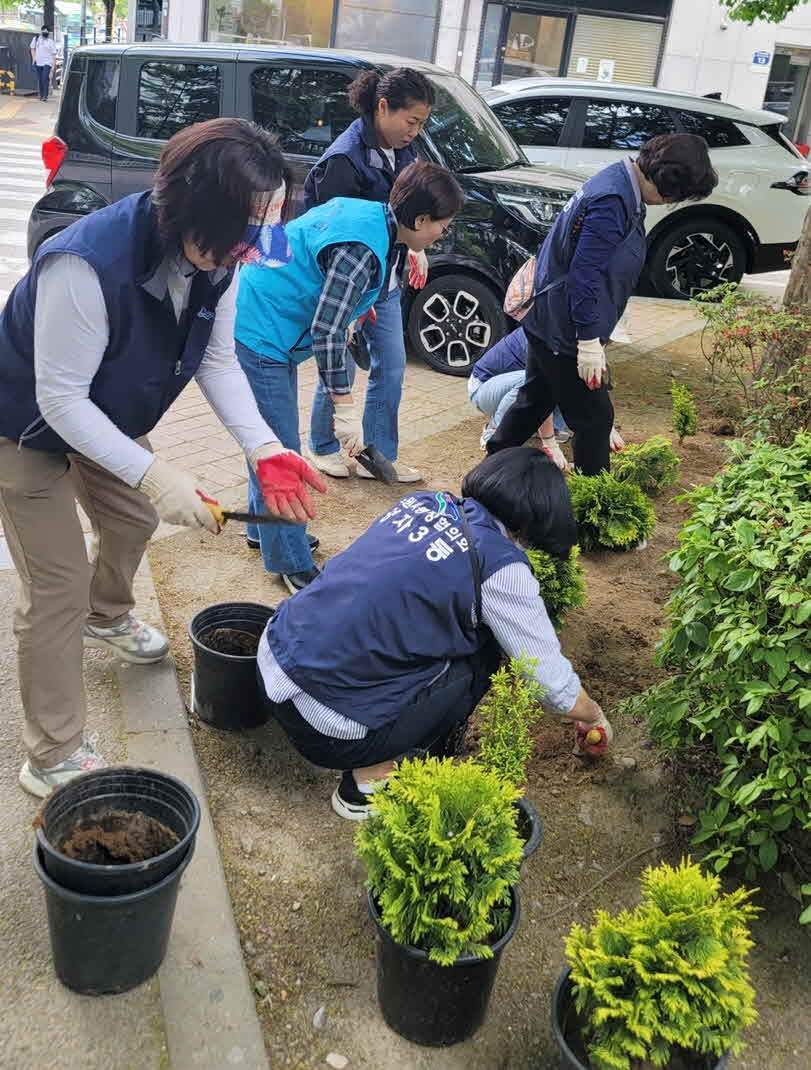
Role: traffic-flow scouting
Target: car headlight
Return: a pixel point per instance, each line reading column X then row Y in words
column 536, row 209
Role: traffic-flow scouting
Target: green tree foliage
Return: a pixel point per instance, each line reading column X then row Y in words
column 667, row 977
column 685, row 414
column 442, row 853
column 562, row 582
column 610, row 515
column 651, row 465
column 766, row 10
column 509, row 710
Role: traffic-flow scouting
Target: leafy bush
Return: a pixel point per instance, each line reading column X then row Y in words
column 506, row 714
column 739, row 638
column 669, row 976
column 562, row 582
column 685, row 415
column 610, row 515
column 651, row 465
column 442, row 853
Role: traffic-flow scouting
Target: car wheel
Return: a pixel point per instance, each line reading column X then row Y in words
column 696, row 256
column 453, row 322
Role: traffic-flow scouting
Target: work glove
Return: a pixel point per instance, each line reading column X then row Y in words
column 591, row 362
column 417, row 270
column 584, row 745
column 551, row 448
column 348, row 428
column 283, row 479
column 616, row 441
column 355, row 325
column 174, row 495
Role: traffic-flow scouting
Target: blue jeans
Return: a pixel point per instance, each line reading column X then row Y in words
column 284, row 547
column 44, row 76
column 387, row 368
column 494, row 396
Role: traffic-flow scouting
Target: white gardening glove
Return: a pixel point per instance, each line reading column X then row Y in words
column 551, row 448
column 616, row 441
column 348, row 427
column 174, row 495
column 583, row 746
column 590, row 362
column 417, row 270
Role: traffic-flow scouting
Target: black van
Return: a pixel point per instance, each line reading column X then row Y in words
column 120, row 103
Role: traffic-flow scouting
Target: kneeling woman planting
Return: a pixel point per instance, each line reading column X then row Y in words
column 393, row 645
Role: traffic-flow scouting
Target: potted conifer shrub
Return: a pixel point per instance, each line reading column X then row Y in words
column 506, row 714
column 664, row 985
column 610, row 515
column 442, row 857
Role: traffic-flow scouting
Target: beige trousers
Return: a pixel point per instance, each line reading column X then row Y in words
column 60, row 588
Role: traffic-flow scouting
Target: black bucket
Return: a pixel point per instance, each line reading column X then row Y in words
column 432, row 1004
column 224, row 689
column 103, row 944
column 566, row 1031
column 132, row 790
column 529, row 826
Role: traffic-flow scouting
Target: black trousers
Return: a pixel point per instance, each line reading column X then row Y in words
column 433, row 715
column 553, row 380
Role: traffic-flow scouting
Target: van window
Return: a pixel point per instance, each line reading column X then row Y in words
column 718, row 131
column 537, row 122
column 101, row 90
column 307, row 107
column 172, row 96
column 622, row 125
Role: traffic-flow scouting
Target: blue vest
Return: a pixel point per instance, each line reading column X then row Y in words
column 359, row 145
column 509, row 354
column 275, row 306
column 549, row 317
column 149, row 356
column 383, row 618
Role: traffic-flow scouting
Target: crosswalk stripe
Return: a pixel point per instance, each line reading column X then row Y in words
column 23, row 148
column 14, row 215
column 29, row 167
column 18, row 242
column 13, row 182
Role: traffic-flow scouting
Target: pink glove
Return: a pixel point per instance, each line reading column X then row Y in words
column 417, row 270
column 283, row 480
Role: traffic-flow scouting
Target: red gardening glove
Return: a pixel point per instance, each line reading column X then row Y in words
column 283, row 480
column 592, row 748
column 367, row 317
column 417, row 270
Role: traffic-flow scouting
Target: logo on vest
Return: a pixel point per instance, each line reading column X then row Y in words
column 206, row 314
column 417, row 522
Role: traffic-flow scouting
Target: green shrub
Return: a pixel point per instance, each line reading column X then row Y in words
column 685, row 415
column 739, row 640
column 670, row 975
column 610, row 515
column 651, row 465
column 562, row 582
column 442, row 853
column 506, row 714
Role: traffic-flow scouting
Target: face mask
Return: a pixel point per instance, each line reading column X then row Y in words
column 265, row 242
column 45, row 33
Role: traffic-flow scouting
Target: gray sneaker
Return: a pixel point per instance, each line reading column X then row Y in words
column 132, row 640
column 41, row 782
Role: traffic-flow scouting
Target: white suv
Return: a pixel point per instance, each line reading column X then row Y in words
column 754, row 216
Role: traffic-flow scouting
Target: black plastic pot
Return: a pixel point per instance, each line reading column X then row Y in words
column 530, row 827
column 431, row 1004
column 566, row 1030
column 102, row 944
column 224, row 689
column 126, row 788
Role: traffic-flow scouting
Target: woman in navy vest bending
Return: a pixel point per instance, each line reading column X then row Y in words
column 115, row 316
column 393, row 646
column 364, row 162
column 587, row 269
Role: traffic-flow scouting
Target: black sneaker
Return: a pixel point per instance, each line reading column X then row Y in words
column 348, row 801
column 297, row 581
column 253, row 544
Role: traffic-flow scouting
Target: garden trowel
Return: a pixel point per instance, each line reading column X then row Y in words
column 376, row 464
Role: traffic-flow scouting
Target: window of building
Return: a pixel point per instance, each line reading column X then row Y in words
column 618, row 124
column 277, row 22
column 101, row 90
column 172, row 96
column 401, row 27
column 537, row 122
column 718, row 131
column 307, row 107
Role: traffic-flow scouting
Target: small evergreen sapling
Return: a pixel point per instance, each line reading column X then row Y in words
column 668, row 978
column 610, row 515
column 506, row 715
column 685, row 414
column 442, row 855
column 562, row 582
column 651, row 465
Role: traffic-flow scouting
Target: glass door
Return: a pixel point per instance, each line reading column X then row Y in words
column 534, row 45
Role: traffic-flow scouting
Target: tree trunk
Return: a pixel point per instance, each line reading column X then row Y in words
column 49, row 16
column 109, row 8
column 798, row 291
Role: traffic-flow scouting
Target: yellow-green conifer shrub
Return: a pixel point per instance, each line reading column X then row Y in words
column 652, row 465
column 562, row 582
column 506, row 715
column 685, row 413
column 666, row 978
column 442, row 855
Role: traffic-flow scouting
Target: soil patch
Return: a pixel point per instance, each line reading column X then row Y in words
column 231, row 641
column 117, row 838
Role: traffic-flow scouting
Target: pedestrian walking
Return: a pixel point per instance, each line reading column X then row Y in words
column 43, row 52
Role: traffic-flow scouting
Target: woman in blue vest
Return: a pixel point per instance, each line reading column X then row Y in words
column 364, row 162
column 343, row 253
column 116, row 314
column 392, row 648
column 587, row 269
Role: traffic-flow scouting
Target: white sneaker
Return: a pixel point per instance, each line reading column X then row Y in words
column 404, row 473
column 41, row 782
column 131, row 640
column 331, row 464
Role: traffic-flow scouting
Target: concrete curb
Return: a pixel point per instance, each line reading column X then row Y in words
column 208, row 1007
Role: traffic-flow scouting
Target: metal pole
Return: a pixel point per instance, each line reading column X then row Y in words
column 82, row 21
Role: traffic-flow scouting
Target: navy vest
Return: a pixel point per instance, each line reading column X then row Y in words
column 359, row 144
column 150, row 356
column 383, row 618
column 549, row 317
column 509, row 354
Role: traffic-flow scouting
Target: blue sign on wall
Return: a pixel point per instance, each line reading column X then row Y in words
column 761, row 59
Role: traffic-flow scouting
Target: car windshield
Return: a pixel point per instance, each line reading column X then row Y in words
column 465, row 132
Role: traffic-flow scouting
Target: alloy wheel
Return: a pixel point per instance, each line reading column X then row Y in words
column 455, row 324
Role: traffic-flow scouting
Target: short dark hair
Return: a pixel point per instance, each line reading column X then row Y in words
column 399, row 88
column 207, row 178
column 526, row 491
column 425, row 188
column 679, row 166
